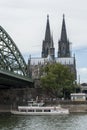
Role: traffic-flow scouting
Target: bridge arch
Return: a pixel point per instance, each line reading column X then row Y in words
column 11, row 58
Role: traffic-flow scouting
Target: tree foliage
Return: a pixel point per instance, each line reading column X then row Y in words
column 57, row 80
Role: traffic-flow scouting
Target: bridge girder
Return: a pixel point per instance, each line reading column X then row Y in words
column 10, row 57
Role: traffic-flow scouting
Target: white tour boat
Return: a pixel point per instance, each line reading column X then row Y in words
column 39, row 109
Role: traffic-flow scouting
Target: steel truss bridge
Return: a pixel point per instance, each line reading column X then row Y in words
column 13, row 68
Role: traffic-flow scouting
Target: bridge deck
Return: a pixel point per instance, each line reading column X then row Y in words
column 8, row 79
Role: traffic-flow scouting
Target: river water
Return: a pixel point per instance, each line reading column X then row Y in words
column 64, row 122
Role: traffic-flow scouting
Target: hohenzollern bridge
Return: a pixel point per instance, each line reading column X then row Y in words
column 13, row 68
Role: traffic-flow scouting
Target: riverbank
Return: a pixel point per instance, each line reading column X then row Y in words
column 74, row 107
column 81, row 108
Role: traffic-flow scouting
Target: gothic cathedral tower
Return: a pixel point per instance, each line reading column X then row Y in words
column 63, row 44
column 48, row 45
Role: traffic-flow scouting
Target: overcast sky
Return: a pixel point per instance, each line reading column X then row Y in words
column 25, row 22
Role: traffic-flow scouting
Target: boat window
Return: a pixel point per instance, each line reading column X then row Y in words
column 30, row 110
column 23, row 110
column 38, row 110
column 47, row 110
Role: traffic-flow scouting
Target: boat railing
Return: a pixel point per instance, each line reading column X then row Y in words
column 35, row 103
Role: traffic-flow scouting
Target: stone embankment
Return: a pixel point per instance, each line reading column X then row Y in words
column 73, row 106
column 76, row 108
column 5, row 108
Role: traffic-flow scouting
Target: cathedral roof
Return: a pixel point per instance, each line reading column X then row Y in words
column 49, row 58
column 42, row 61
column 65, row 61
column 36, row 61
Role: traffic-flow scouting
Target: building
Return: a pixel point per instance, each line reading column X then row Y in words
column 83, row 87
column 78, row 96
column 48, row 52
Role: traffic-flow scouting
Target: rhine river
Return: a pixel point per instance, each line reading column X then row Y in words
column 64, row 122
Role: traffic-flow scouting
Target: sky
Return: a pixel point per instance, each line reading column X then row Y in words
column 25, row 22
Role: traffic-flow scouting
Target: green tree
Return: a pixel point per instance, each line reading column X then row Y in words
column 57, row 80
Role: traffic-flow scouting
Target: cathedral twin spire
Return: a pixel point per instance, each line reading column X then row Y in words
column 63, row 31
column 63, row 44
column 48, row 33
column 48, row 44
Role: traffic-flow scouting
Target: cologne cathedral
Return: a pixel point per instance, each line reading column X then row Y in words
column 48, row 52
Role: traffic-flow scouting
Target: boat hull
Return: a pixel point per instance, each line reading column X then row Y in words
column 40, row 113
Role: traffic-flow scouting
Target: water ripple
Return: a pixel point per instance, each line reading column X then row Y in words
column 64, row 122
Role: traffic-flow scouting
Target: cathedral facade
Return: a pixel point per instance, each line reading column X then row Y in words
column 48, row 52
